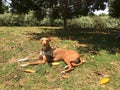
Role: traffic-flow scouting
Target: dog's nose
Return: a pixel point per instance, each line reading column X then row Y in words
column 44, row 44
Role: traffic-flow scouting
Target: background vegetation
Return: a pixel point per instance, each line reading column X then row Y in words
column 52, row 12
column 87, row 22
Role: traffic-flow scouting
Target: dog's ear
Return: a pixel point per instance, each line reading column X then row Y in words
column 40, row 39
column 49, row 39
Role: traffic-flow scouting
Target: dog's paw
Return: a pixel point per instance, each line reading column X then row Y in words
column 22, row 60
column 63, row 72
column 66, row 67
column 23, row 65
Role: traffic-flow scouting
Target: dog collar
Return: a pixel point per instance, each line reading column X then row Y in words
column 47, row 53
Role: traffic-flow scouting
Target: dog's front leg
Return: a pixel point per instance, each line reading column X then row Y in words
column 38, row 57
column 43, row 61
column 37, row 62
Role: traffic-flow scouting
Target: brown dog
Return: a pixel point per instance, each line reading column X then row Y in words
column 49, row 54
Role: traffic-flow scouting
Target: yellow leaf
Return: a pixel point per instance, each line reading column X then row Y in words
column 116, row 54
column 104, row 80
column 65, row 46
column 113, row 63
column 93, row 56
column 55, row 63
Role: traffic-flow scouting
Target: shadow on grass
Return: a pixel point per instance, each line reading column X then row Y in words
column 98, row 40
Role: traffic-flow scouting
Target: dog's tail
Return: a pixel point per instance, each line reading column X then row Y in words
column 82, row 60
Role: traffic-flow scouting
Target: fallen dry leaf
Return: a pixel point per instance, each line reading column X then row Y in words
column 112, row 63
column 29, row 71
column 65, row 76
column 82, row 45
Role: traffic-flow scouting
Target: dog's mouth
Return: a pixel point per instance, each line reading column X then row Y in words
column 44, row 46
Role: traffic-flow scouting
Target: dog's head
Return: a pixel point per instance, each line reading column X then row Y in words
column 44, row 41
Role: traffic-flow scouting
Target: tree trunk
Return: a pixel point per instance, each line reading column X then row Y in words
column 65, row 23
column 65, row 13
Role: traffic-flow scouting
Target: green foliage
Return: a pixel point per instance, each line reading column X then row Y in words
column 47, row 21
column 114, row 8
column 62, row 9
column 8, row 19
column 3, row 7
column 111, row 23
column 82, row 22
column 87, row 22
column 58, row 22
column 29, row 19
column 96, row 22
column 20, row 6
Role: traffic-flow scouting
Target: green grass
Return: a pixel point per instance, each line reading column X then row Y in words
column 101, row 51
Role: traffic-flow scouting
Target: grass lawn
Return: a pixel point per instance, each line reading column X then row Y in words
column 100, row 49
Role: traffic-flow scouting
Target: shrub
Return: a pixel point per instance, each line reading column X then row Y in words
column 17, row 20
column 99, row 23
column 8, row 19
column 113, row 23
column 5, row 19
column 58, row 22
column 87, row 22
column 46, row 21
column 82, row 22
column 31, row 20
column 95, row 22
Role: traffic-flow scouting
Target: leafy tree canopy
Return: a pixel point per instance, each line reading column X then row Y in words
column 63, row 9
column 3, row 7
column 114, row 8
